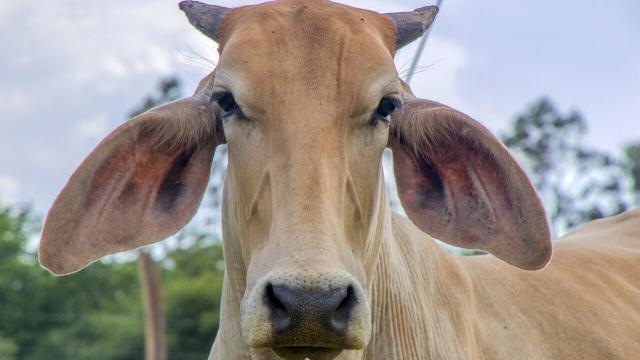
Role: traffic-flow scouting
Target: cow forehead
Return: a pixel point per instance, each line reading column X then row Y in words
column 310, row 18
column 297, row 46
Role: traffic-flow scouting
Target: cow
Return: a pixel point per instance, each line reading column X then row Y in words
column 306, row 97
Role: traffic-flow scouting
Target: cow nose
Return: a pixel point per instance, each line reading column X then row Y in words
column 293, row 308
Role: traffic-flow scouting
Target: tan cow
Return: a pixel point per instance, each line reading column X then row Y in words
column 306, row 96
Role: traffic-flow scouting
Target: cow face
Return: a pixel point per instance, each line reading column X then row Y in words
column 306, row 91
column 307, row 97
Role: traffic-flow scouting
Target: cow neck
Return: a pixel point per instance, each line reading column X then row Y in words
column 422, row 301
column 229, row 343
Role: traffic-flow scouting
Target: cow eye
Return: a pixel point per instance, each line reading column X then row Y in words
column 226, row 102
column 386, row 107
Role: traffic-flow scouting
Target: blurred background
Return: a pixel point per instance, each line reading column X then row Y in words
column 557, row 81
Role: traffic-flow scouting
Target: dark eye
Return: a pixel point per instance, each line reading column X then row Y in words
column 226, row 102
column 385, row 108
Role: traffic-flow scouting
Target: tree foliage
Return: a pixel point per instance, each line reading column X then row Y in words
column 632, row 162
column 577, row 183
column 168, row 89
column 96, row 313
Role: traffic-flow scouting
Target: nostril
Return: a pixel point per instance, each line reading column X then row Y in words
column 273, row 300
column 342, row 313
column 346, row 300
column 279, row 313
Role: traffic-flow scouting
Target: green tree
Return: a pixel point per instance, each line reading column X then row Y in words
column 632, row 162
column 97, row 313
column 70, row 317
column 192, row 280
column 576, row 183
column 8, row 349
column 169, row 89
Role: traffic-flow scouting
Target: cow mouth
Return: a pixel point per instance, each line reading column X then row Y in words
column 307, row 352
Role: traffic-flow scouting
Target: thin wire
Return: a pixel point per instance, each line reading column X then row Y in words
column 423, row 42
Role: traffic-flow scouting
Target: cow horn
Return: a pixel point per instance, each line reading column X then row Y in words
column 204, row 17
column 412, row 24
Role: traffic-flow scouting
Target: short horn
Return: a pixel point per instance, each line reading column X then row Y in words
column 204, row 17
column 412, row 24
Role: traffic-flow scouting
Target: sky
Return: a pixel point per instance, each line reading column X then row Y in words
column 71, row 70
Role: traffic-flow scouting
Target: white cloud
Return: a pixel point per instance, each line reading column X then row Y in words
column 115, row 66
column 160, row 60
column 9, row 190
column 94, row 127
column 12, row 101
column 199, row 53
column 439, row 77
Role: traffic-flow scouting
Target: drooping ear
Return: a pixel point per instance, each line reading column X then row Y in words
column 140, row 185
column 457, row 182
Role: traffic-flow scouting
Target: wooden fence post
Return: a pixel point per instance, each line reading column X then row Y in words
column 155, row 346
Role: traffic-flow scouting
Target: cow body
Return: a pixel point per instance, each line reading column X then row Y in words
column 585, row 304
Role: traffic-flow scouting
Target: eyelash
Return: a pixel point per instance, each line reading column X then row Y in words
column 386, row 107
column 227, row 103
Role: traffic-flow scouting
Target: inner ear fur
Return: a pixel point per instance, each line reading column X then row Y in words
column 141, row 184
column 457, row 182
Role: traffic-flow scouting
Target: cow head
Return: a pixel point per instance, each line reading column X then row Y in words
column 307, row 97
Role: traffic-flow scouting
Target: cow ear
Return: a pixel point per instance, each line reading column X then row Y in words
column 140, row 185
column 458, row 183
